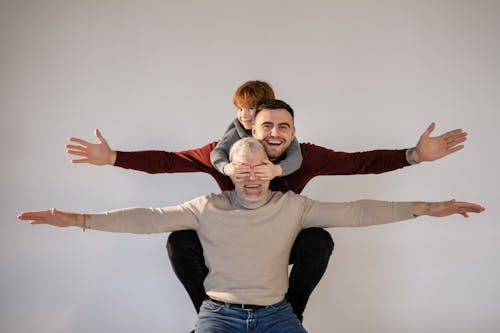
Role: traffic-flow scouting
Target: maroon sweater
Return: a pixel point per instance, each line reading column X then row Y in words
column 317, row 161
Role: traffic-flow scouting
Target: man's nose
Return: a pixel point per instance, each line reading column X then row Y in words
column 274, row 131
column 251, row 175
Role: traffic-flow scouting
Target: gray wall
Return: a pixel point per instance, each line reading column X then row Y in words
column 160, row 74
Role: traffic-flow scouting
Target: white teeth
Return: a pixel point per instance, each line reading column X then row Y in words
column 274, row 142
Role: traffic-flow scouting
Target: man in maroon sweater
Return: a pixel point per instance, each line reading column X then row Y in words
column 275, row 128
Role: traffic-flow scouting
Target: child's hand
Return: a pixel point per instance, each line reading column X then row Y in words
column 236, row 171
column 268, row 170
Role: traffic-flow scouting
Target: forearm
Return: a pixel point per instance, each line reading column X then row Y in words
column 219, row 156
column 143, row 220
column 155, row 161
column 357, row 213
column 329, row 162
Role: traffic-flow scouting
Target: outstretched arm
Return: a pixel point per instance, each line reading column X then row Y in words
column 325, row 161
column 372, row 212
column 94, row 153
column 151, row 161
column 432, row 148
column 129, row 220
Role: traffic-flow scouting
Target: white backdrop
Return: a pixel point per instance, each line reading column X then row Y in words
column 158, row 74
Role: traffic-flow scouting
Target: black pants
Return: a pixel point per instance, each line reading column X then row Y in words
column 309, row 257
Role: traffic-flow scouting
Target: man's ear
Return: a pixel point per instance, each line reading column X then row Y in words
column 253, row 130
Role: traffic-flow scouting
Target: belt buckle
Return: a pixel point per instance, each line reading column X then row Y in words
column 250, row 307
column 244, row 307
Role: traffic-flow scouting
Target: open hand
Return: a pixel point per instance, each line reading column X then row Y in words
column 237, row 171
column 267, row 170
column 53, row 217
column 94, row 153
column 432, row 148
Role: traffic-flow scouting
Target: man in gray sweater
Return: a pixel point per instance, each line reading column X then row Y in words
column 247, row 235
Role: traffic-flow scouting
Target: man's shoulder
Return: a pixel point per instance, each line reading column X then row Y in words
column 292, row 202
column 312, row 146
column 289, row 195
column 208, row 147
column 311, row 150
column 207, row 199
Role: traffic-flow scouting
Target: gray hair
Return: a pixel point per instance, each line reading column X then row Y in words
column 248, row 146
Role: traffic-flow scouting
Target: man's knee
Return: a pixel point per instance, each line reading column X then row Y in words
column 181, row 241
column 316, row 240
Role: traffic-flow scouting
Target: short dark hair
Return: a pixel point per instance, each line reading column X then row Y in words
column 274, row 104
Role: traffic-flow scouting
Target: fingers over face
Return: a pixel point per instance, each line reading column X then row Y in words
column 242, row 169
column 260, row 168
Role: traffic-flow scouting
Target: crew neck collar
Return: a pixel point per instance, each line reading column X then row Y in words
column 251, row 204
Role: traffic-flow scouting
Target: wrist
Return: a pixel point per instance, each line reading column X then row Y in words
column 420, row 208
column 112, row 158
column 224, row 169
column 412, row 156
column 278, row 171
column 83, row 221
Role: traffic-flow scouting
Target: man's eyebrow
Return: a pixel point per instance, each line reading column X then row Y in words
column 279, row 124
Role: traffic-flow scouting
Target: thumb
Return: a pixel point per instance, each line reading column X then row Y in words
column 429, row 129
column 267, row 162
column 99, row 136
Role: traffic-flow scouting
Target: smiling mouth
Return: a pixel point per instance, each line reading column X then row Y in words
column 252, row 186
column 274, row 142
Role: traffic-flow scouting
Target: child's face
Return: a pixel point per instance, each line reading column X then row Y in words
column 246, row 116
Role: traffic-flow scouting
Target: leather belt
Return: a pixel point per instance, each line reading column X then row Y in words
column 239, row 306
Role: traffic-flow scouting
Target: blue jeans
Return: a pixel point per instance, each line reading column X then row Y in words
column 220, row 318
